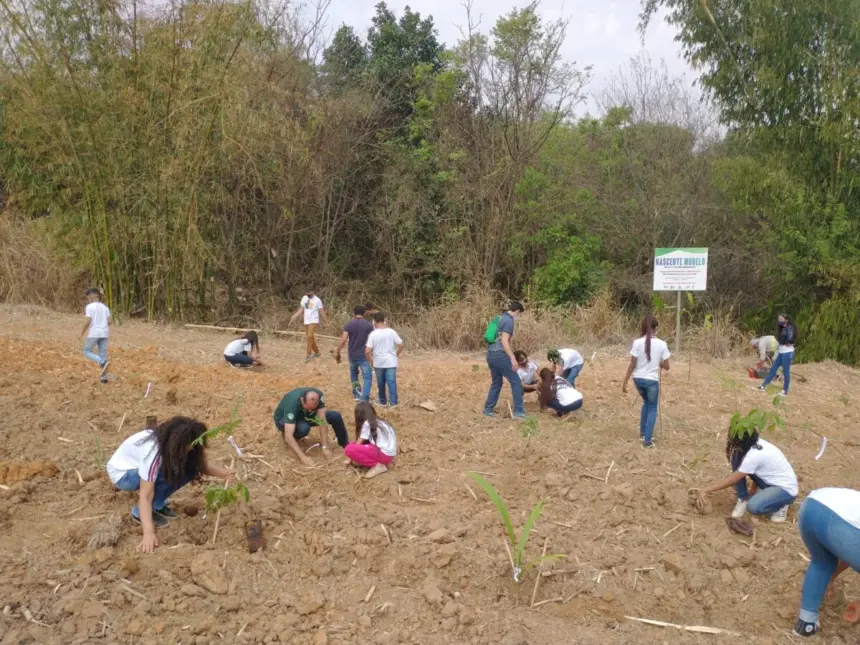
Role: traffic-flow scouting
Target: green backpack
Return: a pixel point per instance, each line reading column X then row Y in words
column 492, row 333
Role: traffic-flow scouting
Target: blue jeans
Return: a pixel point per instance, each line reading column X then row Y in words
column 783, row 360
column 240, row 359
column 386, row 376
column 768, row 499
column 561, row 410
column 131, row 481
column 500, row 368
column 356, row 365
column 93, row 343
column 650, row 392
column 829, row 539
column 571, row 374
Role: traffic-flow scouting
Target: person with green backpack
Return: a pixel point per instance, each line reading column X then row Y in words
column 502, row 362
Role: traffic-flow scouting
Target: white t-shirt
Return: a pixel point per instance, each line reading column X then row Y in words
column 771, row 466
column 385, row 438
column 528, row 374
column 570, row 358
column 565, row 392
column 766, row 345
column 312, row 308
column 383, row 345
column 99, row 315
column 649, row 370
column 135, row 454
column 236, row 347
column 845, row 502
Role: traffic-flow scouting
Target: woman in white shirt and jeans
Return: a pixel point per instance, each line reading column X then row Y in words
column 244, row 351
column 557, row 393
column 648, row 356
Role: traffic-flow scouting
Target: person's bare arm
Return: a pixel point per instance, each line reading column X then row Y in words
column 322, row 423
column 86, row 326
column 290, row 440
column 343, row 340
column 297, row 314
column 400, row 349
column 144, row 505
column 324, row 315
column 368, row 354
column 213, row 470
column 506, row 345
column 729, row 481
column 627, row 376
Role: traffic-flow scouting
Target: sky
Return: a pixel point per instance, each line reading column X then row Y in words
column 602, row 33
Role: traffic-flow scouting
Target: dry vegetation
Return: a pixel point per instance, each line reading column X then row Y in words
column 415, row 555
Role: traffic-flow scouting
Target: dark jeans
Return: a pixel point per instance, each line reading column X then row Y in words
column 303, row 428
column 571, row 374
column 650, row 392
column 387, row 376
column 561, row 410
column 131, row 481
column 500, row 368
column 783, row 360
column 239, row 359
column 357, row 365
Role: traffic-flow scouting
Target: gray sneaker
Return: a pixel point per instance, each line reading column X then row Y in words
column 157, row 518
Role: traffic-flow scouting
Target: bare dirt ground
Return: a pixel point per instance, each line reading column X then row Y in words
column 350, row 560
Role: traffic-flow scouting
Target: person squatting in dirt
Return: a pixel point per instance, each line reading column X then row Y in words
column 244, row 351
column 774, row 482
column 648, row 356
column 97, row 329
column 556, row 393
column 158, row 463
column 528, row 371
column 829, row 521
column 570, row 361
column 375, row 446
column 298, row 412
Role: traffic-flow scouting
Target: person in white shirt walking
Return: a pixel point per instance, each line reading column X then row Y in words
column 570, row 361
column 648, row 356
column 383, row 350
column 312, row 308
column 761, row 461
column 829, row 522
column 97, row 330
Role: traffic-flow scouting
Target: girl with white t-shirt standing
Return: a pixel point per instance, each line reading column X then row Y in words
column 761, row 461
column 158, row 462
column 829, row 521
column 244, row 351
column 784, row 354
column 376, row 442
column 648, row 356
column 556, row 393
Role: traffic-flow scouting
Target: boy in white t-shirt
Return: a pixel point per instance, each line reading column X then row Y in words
column 97, row 329
column 570, row 361
column 311, row 307
column 761, row 461
column 383, row 350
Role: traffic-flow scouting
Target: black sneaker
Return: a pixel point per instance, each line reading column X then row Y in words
column 802, row 628
column 167, row 512
column 159, row 520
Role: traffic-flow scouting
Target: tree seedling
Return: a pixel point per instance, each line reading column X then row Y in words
column 515, row 547
column 754, row 421
column 530, row 427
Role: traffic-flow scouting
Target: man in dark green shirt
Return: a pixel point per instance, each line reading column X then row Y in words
column 299, row 411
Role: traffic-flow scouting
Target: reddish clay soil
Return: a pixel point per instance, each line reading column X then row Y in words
column 415, row 555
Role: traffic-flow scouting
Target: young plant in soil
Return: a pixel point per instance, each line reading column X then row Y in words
column 515, row 547
column 755, row 420
column 530, row 427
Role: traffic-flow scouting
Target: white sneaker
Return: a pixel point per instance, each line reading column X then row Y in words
column 740, row 509
column 780, row 516
column 378, row 469
column 782, row 394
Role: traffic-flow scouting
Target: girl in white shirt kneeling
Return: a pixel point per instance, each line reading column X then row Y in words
column 557, row 394
column 376, row 443
column 244, row 351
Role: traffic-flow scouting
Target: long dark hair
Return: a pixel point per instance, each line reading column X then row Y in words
column 788, row 322
column 649, row 326
column 737, row 448
column 179, row 459
column 548, row 388
column 252, row 338
column 364, row 412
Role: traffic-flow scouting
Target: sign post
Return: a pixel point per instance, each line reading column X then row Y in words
column 680, row 270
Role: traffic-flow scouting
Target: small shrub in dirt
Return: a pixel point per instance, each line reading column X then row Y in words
column 106, row 533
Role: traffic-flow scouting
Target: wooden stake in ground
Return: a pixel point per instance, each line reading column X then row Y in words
column 540, row 567
column 687, row 628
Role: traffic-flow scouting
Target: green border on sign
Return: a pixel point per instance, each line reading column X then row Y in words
column 659, row 252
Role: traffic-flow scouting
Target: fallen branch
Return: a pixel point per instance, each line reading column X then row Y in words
column 370, row 594
column 544, row 602
column 672, row 530
column 122, row 422
column 699, row 629
column 608, row 471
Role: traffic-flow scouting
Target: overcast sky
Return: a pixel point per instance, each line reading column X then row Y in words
column 602, row 33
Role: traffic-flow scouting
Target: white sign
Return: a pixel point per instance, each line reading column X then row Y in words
column 681, row 269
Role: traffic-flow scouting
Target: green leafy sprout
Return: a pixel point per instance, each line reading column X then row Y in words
column 217, row 497
column 515, row 547
column 755, row 421
column 530, row 427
